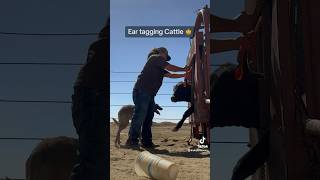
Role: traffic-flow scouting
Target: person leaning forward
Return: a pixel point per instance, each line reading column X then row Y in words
column 89, row 112
column 145, row 89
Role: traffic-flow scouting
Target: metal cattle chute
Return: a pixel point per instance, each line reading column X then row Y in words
column 198, row 58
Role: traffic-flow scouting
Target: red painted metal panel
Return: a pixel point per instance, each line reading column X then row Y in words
column 198, row 58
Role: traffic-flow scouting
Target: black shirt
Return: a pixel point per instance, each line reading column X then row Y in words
column 151, row 77
column 94, row 74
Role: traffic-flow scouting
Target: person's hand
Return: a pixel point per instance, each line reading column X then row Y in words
column 187, row 68
column 188, row 75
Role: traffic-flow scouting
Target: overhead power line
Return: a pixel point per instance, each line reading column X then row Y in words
column 132, row 72
column 161, row 106
column 135, row 81
column 47, row 34
column 76, row 64
column 165, row 119
column 34, row 101
column 22, row 138
column 62, row 64
column 38, row 63
column 59, row 102
column 157, row 94
column 68, row 64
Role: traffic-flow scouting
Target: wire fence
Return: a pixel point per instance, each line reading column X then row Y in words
column 59, row 102
column 161, row 106
column 41, row 63
column 160, row 94
column 75, row 64
column 48, row 34
column 80, row 64
column 23, row 138
column 163, row 119
column 166, row 82
column 68, row 102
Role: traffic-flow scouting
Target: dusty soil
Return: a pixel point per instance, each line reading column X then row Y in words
column 173, row 147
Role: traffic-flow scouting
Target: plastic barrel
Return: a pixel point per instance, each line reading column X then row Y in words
column 152, row 166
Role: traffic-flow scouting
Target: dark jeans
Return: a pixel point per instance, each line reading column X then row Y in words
column 89, row 113
column 142, row 116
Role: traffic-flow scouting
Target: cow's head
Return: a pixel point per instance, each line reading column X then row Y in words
column 181, row 92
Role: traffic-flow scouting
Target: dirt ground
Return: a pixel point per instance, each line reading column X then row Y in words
column 173, row 147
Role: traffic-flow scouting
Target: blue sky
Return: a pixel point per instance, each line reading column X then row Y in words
column 129, row 54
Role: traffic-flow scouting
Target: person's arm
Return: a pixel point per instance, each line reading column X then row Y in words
column 169, row 75
column 174, row 68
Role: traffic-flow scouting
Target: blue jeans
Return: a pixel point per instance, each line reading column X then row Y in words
column 89, row 114
column 142, row 117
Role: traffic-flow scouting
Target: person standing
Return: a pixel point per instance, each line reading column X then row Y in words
column 145, row 89
column 89, row 111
